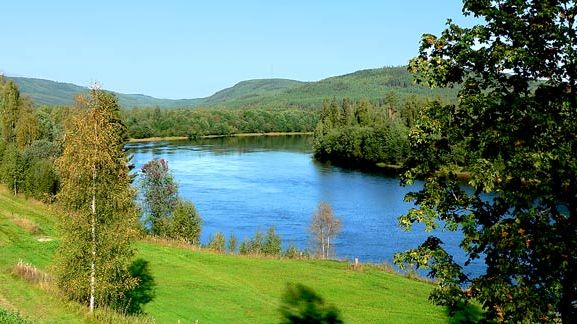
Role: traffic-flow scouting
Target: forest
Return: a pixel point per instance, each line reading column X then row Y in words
column 360, row 133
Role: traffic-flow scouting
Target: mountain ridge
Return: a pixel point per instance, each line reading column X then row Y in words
column 370, row 84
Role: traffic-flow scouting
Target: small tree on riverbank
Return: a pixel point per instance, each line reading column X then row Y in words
column 324, row 226
column 159, row 194
column 165, row 213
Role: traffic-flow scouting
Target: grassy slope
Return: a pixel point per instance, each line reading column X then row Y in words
column 210, row 287
column 15, row 244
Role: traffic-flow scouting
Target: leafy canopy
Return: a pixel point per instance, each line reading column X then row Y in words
column 514, row 131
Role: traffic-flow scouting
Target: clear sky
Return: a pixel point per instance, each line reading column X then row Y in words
column 189, row 49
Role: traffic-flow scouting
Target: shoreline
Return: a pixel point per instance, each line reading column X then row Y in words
column 184, row 138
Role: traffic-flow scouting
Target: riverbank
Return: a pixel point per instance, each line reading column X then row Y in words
column 211, row 287
column 184, row 138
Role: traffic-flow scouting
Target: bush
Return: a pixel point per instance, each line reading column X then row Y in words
column 232, row 242
column 217, row 243
column 185, row 224
column 272, row 243
column 292, row 252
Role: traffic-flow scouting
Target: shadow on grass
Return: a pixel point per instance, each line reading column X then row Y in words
column 469, row 313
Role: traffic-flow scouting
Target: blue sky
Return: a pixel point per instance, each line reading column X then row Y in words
column 189, row 49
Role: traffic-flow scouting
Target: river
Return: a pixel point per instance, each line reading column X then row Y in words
column 243, row 184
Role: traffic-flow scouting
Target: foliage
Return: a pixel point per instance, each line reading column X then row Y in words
column 272, row 243
column 185, row 223
column 27, row 128
column 160, row 196
column 148, row 122
column 165, row 214
column 100, row 223
column 514, row 128
column 9, row 109
column 19, row 129
column 232, row 243
column 359, row 132
column 40, row 177
column 324, row 226
column 302, row 305
column 292, row 252
column 217, row 243
column 12, row 168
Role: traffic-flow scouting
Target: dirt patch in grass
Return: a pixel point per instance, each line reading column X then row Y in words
column 27, row 225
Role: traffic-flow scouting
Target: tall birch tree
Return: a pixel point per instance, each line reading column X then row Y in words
column 95, row 252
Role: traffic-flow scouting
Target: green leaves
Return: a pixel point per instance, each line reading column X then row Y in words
column 101, row 216
column 513, row 133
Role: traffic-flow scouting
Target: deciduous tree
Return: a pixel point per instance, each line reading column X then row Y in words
column 325, row 226
column 95, row 252
column 160, row 195
column 513, row 130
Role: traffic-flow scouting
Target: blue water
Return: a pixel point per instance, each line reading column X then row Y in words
column 240, row 185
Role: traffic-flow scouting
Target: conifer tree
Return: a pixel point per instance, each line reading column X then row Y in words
column 95, row 252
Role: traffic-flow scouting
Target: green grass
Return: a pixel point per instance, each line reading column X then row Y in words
column 9, row 317
column 212, row 288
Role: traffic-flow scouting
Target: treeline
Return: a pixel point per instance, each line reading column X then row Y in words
column 29, row 145
column 361, row 132
column 156, row 122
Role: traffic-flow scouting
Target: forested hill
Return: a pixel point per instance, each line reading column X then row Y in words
column 372, row 84
column 52, row 93
column 251, row 89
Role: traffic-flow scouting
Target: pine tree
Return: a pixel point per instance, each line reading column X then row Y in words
column 95, row 252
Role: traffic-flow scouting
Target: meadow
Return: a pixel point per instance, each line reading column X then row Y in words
column 195, row 284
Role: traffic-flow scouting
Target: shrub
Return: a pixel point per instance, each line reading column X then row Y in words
column 272, row 243
column 232, row 242
column 185, row 223
column 217, row 243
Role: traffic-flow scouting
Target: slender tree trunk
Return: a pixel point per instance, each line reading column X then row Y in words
column 328, row 245
column 322, row 244
column 93, row 225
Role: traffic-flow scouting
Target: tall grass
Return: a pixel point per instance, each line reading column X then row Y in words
column 31, row 274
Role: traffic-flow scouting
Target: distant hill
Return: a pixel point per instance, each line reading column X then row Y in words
column 46, row 92
column 371, row 84
column 251, row 89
